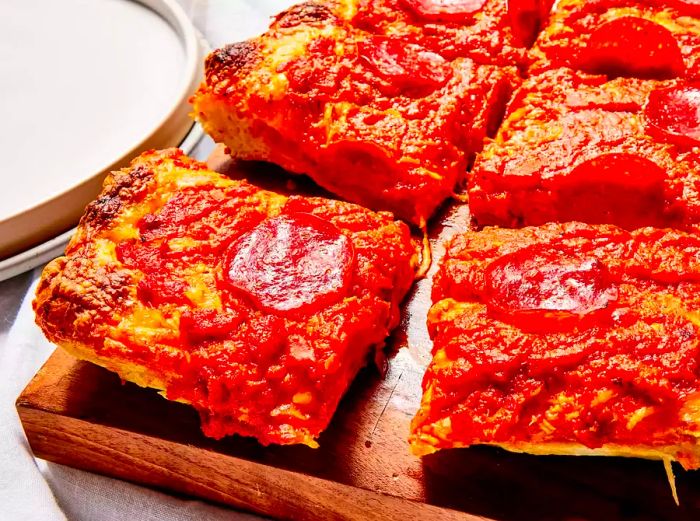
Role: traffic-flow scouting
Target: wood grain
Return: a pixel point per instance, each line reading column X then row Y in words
column 78, row 414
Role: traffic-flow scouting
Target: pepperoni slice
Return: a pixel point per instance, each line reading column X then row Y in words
column 541, row 288
column 686, row 7
column 619, row 169
column 405, row 65
column 632, row 46
column 618, row 188
column 673, row 114
column 445, row 10
column 294, row 262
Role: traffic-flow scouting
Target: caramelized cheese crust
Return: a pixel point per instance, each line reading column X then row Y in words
column 147, row 290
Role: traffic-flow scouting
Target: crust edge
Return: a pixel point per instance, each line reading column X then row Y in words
column 687, row 455
column 141, row 376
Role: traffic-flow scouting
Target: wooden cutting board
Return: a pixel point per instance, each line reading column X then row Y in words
column 81, row 415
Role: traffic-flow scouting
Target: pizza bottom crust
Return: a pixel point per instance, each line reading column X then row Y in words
column 142, row 377
column 688, row 455
column 131, row 372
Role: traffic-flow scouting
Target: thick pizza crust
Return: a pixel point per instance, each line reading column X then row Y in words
column 128, row 371
column 688, row 455
column 144, row 377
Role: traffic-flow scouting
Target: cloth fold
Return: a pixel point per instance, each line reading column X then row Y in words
column 24, row 494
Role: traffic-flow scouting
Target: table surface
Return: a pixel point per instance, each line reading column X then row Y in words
column 11, row 293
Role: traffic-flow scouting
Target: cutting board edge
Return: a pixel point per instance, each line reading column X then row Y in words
column 246, row 485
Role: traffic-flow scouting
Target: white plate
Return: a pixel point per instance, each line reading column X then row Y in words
column 86, row 85
column 44, row 252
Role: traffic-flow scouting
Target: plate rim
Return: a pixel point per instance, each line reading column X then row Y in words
column 44, row 252
column 194, row 48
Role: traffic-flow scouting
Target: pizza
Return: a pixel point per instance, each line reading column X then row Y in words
column 379, row 120
column 657, row 39
column 488, row 31
column 256, row 308
column 259, row 308
column 576, row 146
column 566, row 339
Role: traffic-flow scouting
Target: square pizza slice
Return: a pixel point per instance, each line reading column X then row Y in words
column 488, row 31
column 256, row 308
column 566, row 339
column 581, row 147
column 657, row 39
column 377, row 120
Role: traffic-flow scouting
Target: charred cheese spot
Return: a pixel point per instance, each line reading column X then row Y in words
column 79, row 297
column 307, row 13
column 234, row 57
column 121, row 189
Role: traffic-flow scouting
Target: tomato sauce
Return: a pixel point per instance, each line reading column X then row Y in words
column 567, row 333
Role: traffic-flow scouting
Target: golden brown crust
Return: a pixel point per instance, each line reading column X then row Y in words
column 77, row 298
column 687, row 455
column 235, row 57
column 120, row 188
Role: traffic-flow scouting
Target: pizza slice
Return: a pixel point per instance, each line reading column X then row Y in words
column 647, row 39
column 256, row 308
column 575, row 146
column 566, row 339
column 378, row 120
column 488, row 31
